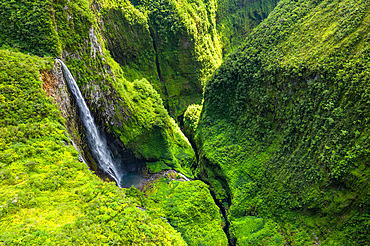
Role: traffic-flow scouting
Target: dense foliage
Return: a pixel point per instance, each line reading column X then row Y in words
column 191, row 119
column 189, row 208
column 285, row 124
column 173, row 44
column 237, row 18
column 47, row 196
column 282, row 133
column 132, row 111
column 27, row 25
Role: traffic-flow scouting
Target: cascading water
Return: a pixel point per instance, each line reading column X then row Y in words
column 95, row 140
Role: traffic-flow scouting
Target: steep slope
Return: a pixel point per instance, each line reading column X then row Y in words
column 47, row 196
column 174, row 44
column 284, row 131
column 131, row 111
column 237, row 18
column 189, row 208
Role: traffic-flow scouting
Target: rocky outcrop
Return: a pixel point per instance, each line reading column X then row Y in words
column 54, row 85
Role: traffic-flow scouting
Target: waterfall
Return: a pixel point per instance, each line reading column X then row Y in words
column 95, row 140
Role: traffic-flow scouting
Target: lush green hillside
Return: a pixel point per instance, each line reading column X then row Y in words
column 237, row 18
column 189, row 208
column 184, row 49
column 175, row 45
column 284, row 131
column 132, row 111
column 46, row 195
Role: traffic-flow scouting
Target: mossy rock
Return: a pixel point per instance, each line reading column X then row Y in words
column 189, row 208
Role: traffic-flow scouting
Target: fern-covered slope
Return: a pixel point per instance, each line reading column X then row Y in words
column 284, row 128
column 237, row 18
column 47, row 196
column 132, row 111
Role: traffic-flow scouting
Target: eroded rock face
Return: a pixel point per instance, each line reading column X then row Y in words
column 95, row 45
column 105, row 102
column 55, row 87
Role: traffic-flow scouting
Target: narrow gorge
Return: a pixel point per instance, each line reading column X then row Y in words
column 184, row 122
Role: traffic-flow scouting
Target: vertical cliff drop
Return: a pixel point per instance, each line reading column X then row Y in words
column 96, row 141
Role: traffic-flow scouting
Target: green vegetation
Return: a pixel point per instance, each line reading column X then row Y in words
column 187, row 48
column 237, row 18
column 46, row 195
column 284, row 126
column 150, row 132
column 28, row 26
column 191, row 119
column 282, row 133
column 250, row 230
column 132, row 111
column 128, row 39
column 189, row 208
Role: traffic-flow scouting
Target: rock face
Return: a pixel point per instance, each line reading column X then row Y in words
column 54, row 85
column 56, row 88
column 283, row 132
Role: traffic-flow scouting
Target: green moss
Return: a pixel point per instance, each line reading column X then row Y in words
column 191, row 119
column 127, row 34
column 237, row 18
column 157, row 166
column 187, row 48
column 47, row 196
column 188, row 207
column 251, row 230
column 285, row 119
column 153, row 135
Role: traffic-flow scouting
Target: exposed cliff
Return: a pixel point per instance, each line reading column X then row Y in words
column 284, row 127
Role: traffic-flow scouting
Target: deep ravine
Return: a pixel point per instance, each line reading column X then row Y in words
column 163, row 83
column 101, row 152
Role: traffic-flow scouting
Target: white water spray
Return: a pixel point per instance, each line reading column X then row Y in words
column 96, row 142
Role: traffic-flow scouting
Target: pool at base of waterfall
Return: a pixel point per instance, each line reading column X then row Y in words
column 132, row 178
